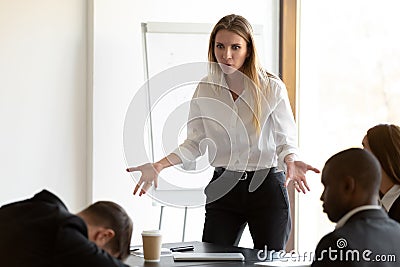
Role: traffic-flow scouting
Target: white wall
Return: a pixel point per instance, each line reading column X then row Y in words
column 47, row 99
column 118, row 74
column 43, row 99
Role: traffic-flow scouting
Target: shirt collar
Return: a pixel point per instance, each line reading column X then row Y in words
column 245, row 96
column 348, row 215
column 390, row 197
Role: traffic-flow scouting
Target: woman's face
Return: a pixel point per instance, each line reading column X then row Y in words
column 230, row 49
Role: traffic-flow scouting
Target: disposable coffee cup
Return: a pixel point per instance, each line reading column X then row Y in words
column 151, row 245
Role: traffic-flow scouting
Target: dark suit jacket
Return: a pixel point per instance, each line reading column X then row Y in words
column 41, row 232
column 371, row 230
column 394, row 211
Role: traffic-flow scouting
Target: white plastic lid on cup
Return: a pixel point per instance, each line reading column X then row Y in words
column 151, row 233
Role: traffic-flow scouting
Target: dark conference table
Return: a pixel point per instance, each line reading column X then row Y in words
column 251, row 256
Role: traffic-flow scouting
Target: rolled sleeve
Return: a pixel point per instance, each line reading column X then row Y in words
column 189, row 150
column 285, row 128
column 187, row 157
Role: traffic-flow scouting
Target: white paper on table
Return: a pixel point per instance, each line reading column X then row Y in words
column 139, row 252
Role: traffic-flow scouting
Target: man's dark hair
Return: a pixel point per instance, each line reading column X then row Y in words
column 110, row 215
column 360, row 164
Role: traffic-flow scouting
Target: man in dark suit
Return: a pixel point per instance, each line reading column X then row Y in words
column 364, row 234
column 41, row 232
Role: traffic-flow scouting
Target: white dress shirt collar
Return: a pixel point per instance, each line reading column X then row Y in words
column 390, row 197
column 348, row 215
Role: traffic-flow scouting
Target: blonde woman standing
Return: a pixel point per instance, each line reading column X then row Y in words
column 241, row 113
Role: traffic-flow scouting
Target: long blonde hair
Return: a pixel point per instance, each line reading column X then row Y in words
column 251, row 67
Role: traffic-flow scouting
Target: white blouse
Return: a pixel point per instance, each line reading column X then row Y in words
column 225, row 127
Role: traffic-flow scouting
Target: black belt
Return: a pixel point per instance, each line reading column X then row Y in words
column 244, row 174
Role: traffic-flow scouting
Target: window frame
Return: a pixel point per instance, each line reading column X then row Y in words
column 288, row 70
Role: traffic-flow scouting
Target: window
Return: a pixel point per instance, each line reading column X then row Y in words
column 349, row 81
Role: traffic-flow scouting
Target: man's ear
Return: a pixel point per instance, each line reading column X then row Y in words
column 102, row 236
column 349, row 185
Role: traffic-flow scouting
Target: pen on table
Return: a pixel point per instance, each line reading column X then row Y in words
column 133, row 249
column 181, row 249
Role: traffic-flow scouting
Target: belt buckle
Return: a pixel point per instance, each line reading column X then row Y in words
column 244, row 176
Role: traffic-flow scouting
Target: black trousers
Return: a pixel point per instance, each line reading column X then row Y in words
column 262, row 204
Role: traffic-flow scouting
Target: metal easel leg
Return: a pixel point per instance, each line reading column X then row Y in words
column 184, row 225
column 161, row 214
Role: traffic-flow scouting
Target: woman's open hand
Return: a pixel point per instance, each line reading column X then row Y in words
column 149, row 176
column 296, row 171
